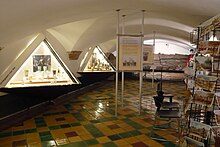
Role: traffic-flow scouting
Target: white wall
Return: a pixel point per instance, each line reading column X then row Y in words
column 169, row 47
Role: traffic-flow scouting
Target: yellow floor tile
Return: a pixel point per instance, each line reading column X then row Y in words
column 75, row 139
column 142, row 137
column 103, row 139
column 86, row 137
column 5, row 144
column 121, row 142
column 57, row 134
column 131, row 140
column 32, row 137
column 144, row 130
column 19, row 137
column 107, row 132
column 35, row 144
column 119, row 130
column 43, row 129
column 84, row 122
column 171, row 138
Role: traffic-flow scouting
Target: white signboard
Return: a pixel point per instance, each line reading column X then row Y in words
column 148, row 54
column 130, row 53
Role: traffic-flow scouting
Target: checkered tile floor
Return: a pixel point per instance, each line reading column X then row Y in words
column 89, row 120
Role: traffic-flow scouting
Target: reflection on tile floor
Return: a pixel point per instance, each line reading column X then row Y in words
column 89, row 120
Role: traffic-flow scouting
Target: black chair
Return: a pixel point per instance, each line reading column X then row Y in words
column 166, row 104
column 167, row 114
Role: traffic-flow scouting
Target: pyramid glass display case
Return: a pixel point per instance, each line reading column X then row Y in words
column 96, row 61
column 42, row 68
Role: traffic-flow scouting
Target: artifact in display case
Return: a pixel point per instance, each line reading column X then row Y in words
column 41, row 63
column 98, row 62
column 42, row 68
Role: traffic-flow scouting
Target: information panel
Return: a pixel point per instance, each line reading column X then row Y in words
column 148, row 54
column 130, row 53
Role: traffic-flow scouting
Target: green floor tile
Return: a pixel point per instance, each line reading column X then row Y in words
column 65, row 126
column 96, row 135
column 75, row 124
column 64, row 112
column 30, row 131
column 93, row 130
column 91, row 142
column 39, row 120
column 54, row 127
column 39, row 125
column 68, row 107
column 5, row 134
column 46, row 138
column 18, row 133
column 95, row 121
column 109, row 144
column 135, row 133
column 133, row 124
column 125, row 135
column 75, row 144
column 49, row 143
column 114, row 137
column 79, row 117
column 46, row 133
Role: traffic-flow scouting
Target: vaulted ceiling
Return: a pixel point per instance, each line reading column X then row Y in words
column 79, row 24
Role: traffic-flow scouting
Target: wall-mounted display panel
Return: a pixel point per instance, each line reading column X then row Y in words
column 97, row 62
column 42, row 68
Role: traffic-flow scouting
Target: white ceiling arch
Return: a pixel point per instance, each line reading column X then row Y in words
column 95, row 21
column 83, row 34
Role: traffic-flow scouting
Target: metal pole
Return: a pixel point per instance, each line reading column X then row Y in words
column 153, row 68
column 122, row 74
column 116, row 76
column 141, row 71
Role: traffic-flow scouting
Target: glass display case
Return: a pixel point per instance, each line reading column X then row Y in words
column 42, row 68
column 97, row 62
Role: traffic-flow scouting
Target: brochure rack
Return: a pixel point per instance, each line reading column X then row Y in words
column 204, row 76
